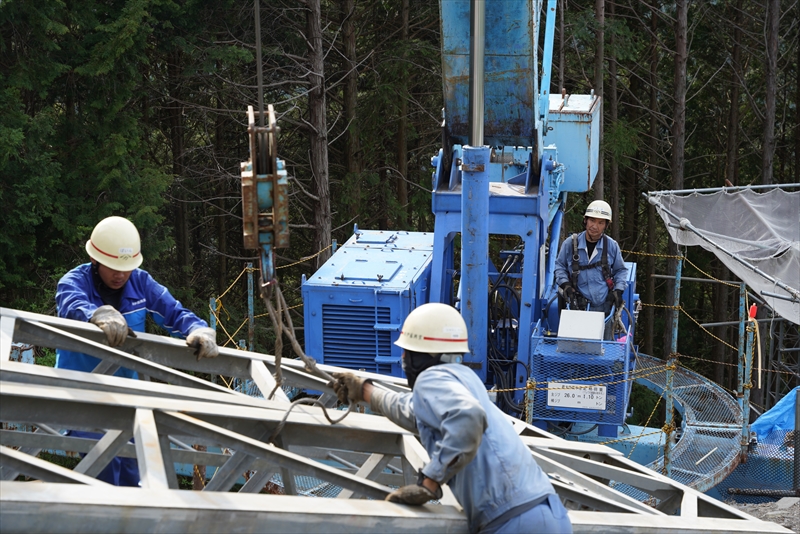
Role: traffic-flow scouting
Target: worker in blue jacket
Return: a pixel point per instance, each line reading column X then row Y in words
column 589, row 267
column 472, row 445
column 115, row 295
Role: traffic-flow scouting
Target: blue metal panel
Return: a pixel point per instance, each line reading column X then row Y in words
column 575, row 123
column 509, row 69
column 475, row 254
column 611, row 369
column 350, row 337
column 355, row 304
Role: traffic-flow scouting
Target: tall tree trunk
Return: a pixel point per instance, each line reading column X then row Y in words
column 613, row 113
column 771, row 42
column 679, row 110
column 318, row 132
column 353, row 134
column 650, row 294
column 221, row 194
column 719, row 352
column 599, row 56
column 797, row 103
column 731, row 165
column 402, row 141
column 181, row 221
column 720, row 299
column 562, row 7
column 678, row 138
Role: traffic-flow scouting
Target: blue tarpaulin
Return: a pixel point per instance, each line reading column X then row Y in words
column 779, row 417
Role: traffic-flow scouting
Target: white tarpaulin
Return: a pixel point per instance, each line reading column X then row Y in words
column 752, row 231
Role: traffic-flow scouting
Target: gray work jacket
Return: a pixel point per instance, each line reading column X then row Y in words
column 472, row 444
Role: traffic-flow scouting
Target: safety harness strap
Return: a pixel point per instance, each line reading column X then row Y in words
column 603, row 263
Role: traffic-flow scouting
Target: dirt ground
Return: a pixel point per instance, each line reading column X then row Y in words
column 785, row 512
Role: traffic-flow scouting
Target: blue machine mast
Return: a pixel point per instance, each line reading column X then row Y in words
column 502, row 178
column 511, row 152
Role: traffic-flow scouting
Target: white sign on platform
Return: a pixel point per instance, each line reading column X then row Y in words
column 564, row 395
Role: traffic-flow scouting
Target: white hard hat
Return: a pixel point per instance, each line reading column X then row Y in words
column 599, row 209
column 434, row 328
column 115, row 243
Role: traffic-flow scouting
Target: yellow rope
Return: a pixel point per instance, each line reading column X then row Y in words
column 305, row 259
column 707, row 331
column 200, row 477
column 652, row 255
column 228, row 384
column 635, row 375
column 647, row 422
column 660, row 306
column 246, row 269
column 630, row 437
column 222, row 326
column 708, row 275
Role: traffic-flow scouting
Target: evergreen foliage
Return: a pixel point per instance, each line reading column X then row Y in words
column 137, row 108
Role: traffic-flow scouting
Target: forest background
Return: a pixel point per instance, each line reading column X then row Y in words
column 137, row 108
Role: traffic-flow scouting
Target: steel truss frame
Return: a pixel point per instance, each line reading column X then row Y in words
column 364, row 454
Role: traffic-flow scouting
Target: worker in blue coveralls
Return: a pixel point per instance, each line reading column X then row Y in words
column 472, row 445
column 589, row 267
column 114, row 294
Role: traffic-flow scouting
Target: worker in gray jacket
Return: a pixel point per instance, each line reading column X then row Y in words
column 473, row 446
column 589, row 268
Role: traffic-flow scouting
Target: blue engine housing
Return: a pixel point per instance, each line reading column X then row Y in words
column 357, row 301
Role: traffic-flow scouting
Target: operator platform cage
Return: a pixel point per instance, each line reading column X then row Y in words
column 355, row 304
column 581, row 381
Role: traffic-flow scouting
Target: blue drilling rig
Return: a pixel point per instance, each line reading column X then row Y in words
column 511, row 153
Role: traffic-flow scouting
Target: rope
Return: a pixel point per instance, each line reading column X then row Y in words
column 278, row 316
column 246, row 269
column 227, row 384
column 652, row 255
column 660, row 306
column 635, row 375
column 222, row 326
column 630, row 437
column 647, row 423
column 668, row 430
column 707, row 331
column 307, row 258
column 708, row 275
column 199, row 477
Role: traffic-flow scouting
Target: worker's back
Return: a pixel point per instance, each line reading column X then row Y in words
column 503, row 474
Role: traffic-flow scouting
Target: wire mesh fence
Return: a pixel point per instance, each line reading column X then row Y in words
column 769, row 469
column 707, row 449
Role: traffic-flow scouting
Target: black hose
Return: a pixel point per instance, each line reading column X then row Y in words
column 581, row 433
column 546, row 311
column 551, row 428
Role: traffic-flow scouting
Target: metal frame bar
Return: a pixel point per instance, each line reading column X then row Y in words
column 158, row 415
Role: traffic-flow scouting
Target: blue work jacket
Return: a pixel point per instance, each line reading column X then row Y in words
column 77, row 298
column 591, row 283
column 472, row 445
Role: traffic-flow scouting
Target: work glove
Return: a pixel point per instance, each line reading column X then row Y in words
column 414, row 494
column 203, row 339
column 618, row 299
column 112, row 323
column 348, row 387
column 568, row 290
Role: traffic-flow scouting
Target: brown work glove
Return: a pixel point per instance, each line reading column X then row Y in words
column 348, row 387
column 413, row 494
column 203, row 339
column 112, row 323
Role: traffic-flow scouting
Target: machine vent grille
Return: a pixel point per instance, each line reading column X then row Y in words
column 350, row 339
